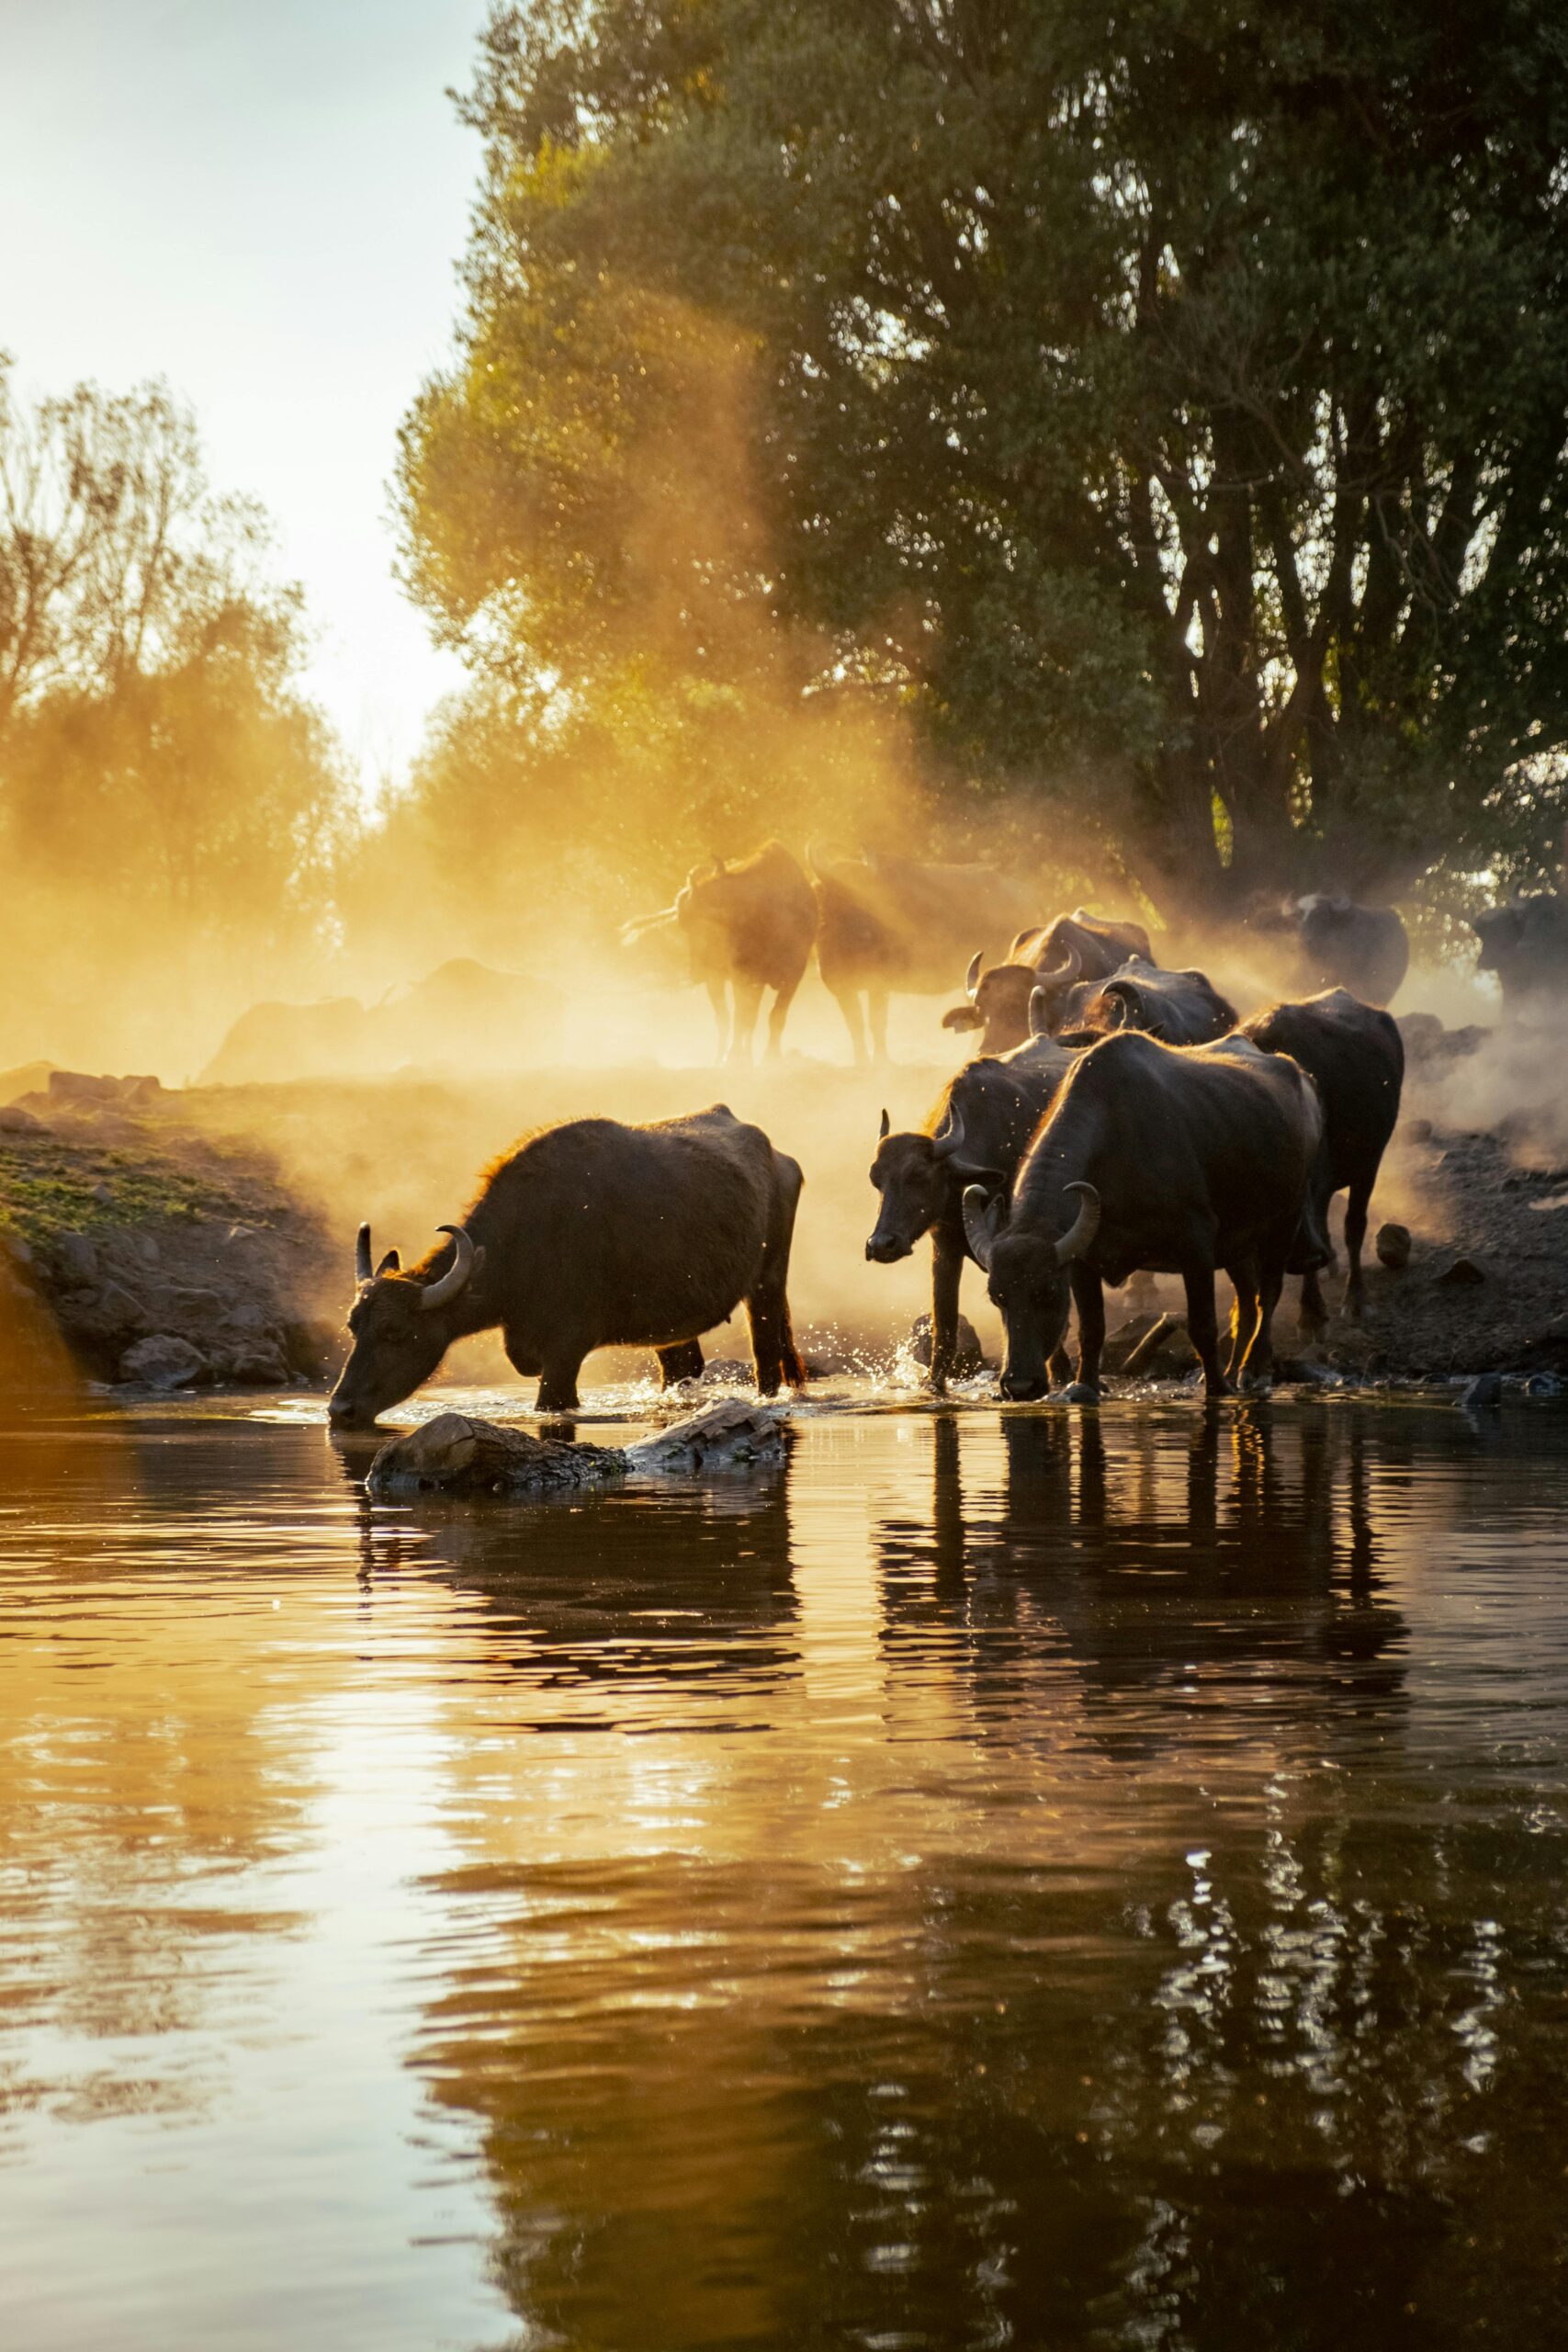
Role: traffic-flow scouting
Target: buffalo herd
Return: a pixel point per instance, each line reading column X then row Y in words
column 1117, row 1117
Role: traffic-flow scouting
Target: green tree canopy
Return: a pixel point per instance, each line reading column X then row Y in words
column 1167, row 401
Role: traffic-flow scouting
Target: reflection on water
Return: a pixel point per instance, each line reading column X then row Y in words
column 1037, row 1879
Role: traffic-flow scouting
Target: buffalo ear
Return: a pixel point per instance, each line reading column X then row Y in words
column 974, row 1172
column 963, row 1016
column 885, row 1129
column 390, row 1264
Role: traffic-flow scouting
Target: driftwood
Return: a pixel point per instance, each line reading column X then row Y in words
column 456, row 1454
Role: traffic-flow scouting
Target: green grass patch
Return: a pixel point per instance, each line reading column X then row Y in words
column 47, row 1188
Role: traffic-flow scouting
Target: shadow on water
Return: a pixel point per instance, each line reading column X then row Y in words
column 1040, row 1879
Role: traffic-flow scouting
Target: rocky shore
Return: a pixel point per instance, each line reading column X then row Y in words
column 161, row 1257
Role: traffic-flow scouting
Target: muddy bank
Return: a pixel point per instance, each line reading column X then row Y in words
column 159, row 1255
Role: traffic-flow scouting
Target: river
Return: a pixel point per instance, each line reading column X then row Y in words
column 1035, row 1878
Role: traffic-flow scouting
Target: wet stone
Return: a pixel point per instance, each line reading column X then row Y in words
column 1484, row 1394
column 1393, row 1247
column 163, row 1361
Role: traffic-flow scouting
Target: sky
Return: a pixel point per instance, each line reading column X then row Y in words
column 264, row 202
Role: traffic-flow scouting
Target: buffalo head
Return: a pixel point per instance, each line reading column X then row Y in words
column 915, row 1174
column 1028, row 1278
column 401, row 1328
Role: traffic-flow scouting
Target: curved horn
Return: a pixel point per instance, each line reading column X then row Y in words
column 362, row 1255
column 982, row 1217
column 948, row 1140
column 1063, row 974
column 1039, row 1013
column 437, row 1293
column 814, row 861
column 885, row 1129
column 1084, row 1227
column 972, row 976
column 639, row 924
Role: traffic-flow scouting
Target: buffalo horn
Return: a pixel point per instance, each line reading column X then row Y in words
column 981, row 1218
column 1084, row 1227
column 885, row 1129
column 437, row 1293
column 1039, row 1013
column 948, row 1140
column 972, row 976
column 362, row 1255
column 1063, row 974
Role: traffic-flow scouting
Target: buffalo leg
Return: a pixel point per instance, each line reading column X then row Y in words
column 719, row 997
column 681, row 1362
column 947, row 1273
column 557, row 1383
column 848, row 1002
column 1312, row 1320
column 747, row 1008
column 1202, row 1324
column 877, row 1023
column 783, row 998
column 1244, row 1319
column 1357, row 1203
column 1269, row 1271
column 1088, row 1297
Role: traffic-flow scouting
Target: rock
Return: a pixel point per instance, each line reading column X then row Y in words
column 82, row 1091
column 456, row 1454
column 77, row 1260
column 257, row 1366
column 1393, row 1247
column 15, row 1121
column 725, row 1371
column 1482, row 1395
column 968, row 1357
column 147, row 1249
column 1463, row 1272
column 103, row 1196
column 1076, row 1392
column 1162, row 1350
column 163, row 1361
column 111, row 1314
column 725, row 1437
column 1542, row 1386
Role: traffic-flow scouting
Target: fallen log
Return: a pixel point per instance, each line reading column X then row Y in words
column 459, row 1454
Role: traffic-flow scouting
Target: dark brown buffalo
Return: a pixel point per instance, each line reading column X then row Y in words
column 1333, row 943
column 1354, row 1054
column 1075, row 948
column 746, row 927
column 1525, row 941
column 463, row 1015
column 1178, row 1008
column 889, row 926
column 1178, row 1160
column 592, row 1235
column 977, row 1132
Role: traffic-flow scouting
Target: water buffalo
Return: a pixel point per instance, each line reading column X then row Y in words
column 1334, row 944
column 591, row 1235
column 746, row 927
column 464, row 1014
column 1355, row 1056
column 977, row 1132
column 1075, row 948
column 889, row 926
column 1176, row 1160
column 1178, row 1008
column 1525, row 944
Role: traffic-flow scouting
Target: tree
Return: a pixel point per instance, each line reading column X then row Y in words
column 174, row 805
column 1164, row 396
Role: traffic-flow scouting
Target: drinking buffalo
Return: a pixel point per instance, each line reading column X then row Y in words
column 746, row 927
column 1355, row 1056
column 977, row 1132
column 592, row 1235
column 1075, row 948
column 889, row 926
column 1178, row 1008
column 1176, row 1160
column 1525, row 944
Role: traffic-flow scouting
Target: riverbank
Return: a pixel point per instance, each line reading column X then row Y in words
column 205, row 1236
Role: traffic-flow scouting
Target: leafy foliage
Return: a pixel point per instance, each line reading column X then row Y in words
column 1164, row 402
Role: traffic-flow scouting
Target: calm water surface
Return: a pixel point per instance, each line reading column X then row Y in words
column 1042, row 1880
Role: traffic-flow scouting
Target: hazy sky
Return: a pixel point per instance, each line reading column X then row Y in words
column 262, row 200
